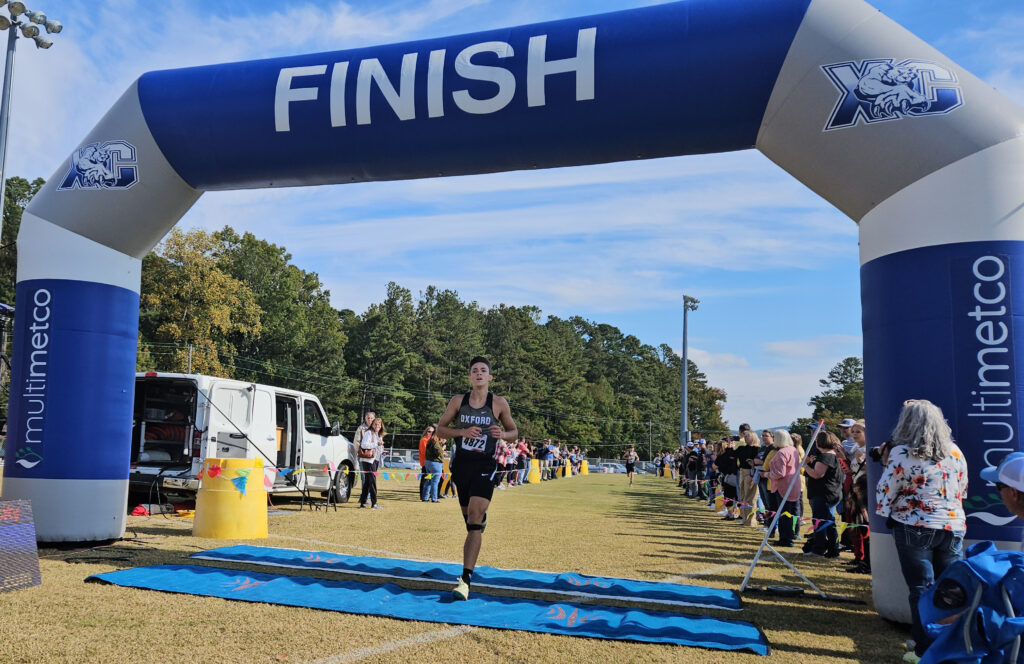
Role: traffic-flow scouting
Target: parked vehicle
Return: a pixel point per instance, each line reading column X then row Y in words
column 398, row 461
column 180, row 419
column 612, row 468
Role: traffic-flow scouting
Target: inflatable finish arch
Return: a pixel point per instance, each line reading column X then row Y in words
column 925, row 157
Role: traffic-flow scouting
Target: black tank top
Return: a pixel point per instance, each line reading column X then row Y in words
column 482, row 448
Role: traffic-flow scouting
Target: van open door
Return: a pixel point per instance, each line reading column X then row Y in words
column 231, row 408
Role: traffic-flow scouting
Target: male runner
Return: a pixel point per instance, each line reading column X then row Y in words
column 630, row 457
column 472, row 419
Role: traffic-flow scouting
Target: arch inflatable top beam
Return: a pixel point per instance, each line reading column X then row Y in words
column 927, row 158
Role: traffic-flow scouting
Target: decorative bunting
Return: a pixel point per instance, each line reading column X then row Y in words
column 239, row 483
column 214, row 471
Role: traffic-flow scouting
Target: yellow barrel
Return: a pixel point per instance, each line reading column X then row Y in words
column 222, row 510
column 719, row 500
column 584, row 467
column 533, row 477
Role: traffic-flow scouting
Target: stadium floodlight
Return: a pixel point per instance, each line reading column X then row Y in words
column 30, row 29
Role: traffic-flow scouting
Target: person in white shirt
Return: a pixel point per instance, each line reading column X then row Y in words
column 849, row 444
column 371, row 447
column 357, row 437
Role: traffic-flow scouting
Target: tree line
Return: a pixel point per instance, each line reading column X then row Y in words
column 233, row 305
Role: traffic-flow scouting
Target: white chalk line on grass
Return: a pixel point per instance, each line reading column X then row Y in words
column 419, row 639
column 703, row 572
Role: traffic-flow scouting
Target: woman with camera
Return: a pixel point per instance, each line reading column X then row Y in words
column 921, row 493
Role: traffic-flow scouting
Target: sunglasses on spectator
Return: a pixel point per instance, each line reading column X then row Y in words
column 1000, row 486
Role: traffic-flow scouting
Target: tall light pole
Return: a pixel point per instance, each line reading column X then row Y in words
column 689, row 304
column 30, row 29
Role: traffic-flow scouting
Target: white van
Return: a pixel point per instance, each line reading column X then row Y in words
column 180, row 419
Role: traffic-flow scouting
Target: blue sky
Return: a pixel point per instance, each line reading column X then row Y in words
column 775, row 266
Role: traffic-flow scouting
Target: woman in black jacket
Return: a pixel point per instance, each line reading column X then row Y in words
column 726, row 463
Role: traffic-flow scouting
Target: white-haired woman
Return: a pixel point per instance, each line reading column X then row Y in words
column 921, row 493
column 784, row 473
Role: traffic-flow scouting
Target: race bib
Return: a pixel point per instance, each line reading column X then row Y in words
column 474, row 444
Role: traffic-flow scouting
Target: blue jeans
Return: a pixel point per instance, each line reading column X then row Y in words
column 825, row 539
column 924, row 553
column 434, row 469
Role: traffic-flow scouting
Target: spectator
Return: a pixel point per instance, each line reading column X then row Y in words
column 524, row 459
column 798, row 443
column 764, row 485
column 748, row 484
column 1009, row 480
column 434, row 460
column 700, row 452
column 500, row 459
column 512, row 463
column 555, row 460
column 371, row 446
column 824, row 492
column 727, row 463
column 424, row 439
column 921, row 493
column 855, row 502
column 849, row 444
column 783, row 470
column 760, row 462
column 449, row 486
column 357, row 437
column 547, row 458
column 710, row 453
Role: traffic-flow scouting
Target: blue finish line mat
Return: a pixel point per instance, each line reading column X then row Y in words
column 389, row 600
column 574, row 585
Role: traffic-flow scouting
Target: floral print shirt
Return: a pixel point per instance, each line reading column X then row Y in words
column 922, row 493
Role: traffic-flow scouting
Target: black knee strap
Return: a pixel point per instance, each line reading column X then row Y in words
column 474, row 526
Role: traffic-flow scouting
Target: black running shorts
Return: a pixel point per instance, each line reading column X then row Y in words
column 474, row 479
column 630, row 468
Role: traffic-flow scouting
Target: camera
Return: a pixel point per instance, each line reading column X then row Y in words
column 876, row 453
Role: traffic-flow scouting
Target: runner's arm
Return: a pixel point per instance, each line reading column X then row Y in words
column 504, row 413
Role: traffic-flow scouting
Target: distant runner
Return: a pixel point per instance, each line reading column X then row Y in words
column 630, row 457
column 472, row 419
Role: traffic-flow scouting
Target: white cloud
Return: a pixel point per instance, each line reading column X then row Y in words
column 708, row 361
column 618, row 244
column 825, row 345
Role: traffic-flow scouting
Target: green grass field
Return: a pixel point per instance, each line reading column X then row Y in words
column 590, row 524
